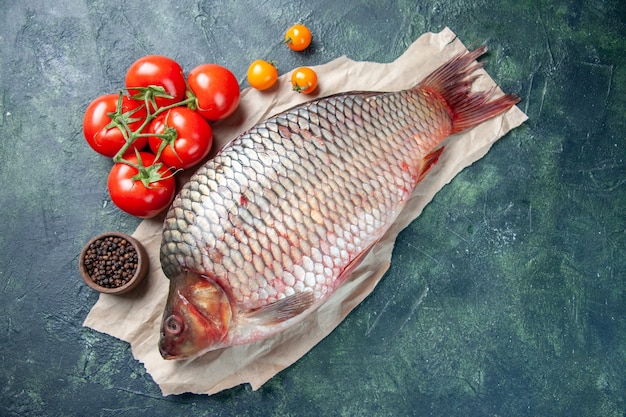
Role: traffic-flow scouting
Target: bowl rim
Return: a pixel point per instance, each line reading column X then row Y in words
column 140, row 273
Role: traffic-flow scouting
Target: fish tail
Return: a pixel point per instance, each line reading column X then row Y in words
column 453, row 81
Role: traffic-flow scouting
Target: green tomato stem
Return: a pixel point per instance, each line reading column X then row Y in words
column 122, row 123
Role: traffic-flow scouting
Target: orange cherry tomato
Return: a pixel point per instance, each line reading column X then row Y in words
column 304, row 80
column 298, row 37
column 262, row 74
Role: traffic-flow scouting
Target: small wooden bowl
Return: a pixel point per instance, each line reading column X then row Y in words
column 138, row 276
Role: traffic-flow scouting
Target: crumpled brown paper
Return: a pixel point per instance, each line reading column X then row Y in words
column 136, row 318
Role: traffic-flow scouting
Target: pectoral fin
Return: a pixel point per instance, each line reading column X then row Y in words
column 283, row 309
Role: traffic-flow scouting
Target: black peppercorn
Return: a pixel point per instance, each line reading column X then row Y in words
column 111, row 261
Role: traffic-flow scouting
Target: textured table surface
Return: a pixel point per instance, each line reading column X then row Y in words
column 506, row 297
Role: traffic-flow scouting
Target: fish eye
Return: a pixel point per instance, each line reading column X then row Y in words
column 173, row 325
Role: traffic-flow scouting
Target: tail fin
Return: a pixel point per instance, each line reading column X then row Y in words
column 453, row 81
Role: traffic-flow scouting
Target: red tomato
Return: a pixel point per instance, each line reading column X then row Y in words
column 158, row 71
column 143, row 193
column 188, row 137
column 104, row 138
column 216, row 90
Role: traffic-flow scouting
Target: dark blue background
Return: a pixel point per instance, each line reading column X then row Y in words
column 505, row 298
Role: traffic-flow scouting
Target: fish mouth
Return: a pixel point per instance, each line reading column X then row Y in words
column 165, row 354
column 166, row 349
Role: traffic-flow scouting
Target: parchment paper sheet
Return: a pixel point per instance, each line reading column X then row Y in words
column 136, row 317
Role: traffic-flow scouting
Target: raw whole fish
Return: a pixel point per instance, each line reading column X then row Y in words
column 263, row 233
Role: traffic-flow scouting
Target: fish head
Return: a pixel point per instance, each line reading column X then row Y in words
column 196, row 319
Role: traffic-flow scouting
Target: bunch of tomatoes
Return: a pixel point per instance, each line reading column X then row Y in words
column 160, row 123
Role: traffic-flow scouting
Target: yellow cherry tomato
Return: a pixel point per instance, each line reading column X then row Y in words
column 304, row 80
column 262, row 74
column 298, row 37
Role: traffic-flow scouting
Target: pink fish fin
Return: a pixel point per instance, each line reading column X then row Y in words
column 283, row 309
column 347, row 271
column 453, row 81
column 428, row 162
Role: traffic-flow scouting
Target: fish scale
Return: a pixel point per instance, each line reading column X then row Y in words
column 349, row 171
column 276, row 221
